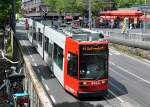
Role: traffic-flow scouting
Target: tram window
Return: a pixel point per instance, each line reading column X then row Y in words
column 34, row 34
column 101, row 35
column 46, row 44
column 30, row 30
column 50, row 49
column 73, row 65
column 40, row 38
column 55, row 53
column 58, row 56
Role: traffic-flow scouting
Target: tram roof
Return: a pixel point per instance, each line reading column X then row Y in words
column 79, row 34
column 82, row 34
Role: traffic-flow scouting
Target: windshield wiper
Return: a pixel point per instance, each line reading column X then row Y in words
column 100, row 75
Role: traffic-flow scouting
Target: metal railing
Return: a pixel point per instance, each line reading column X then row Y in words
column 131, row 36
column 37, row 94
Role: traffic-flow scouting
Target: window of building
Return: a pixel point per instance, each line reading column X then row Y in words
column 58, row 56
column 46, row 43
column 73, row 65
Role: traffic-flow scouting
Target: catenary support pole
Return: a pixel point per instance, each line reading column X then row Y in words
column 90, row 14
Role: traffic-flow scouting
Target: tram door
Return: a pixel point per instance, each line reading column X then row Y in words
column 71, row 77
column 51, row 49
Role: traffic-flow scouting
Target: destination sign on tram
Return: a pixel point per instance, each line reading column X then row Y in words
column 93, row 48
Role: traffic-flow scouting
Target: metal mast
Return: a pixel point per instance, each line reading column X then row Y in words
column 90, row 21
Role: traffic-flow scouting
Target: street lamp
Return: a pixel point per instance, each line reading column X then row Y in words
column 14, row 16
column 145, row 2
column 90, row 21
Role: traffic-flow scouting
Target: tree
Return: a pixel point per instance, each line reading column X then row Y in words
column 51, row 5
column 129, row 3
column 6, row 10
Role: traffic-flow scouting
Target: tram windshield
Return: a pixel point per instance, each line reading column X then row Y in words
column 94, row 65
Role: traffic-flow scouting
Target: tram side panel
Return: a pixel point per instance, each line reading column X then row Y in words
column 30, row 22
column 48, row 51
column 57, row 41
column 71, row 66
column 54, row 56
column 39, row 38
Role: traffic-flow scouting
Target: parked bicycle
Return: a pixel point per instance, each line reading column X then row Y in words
column 16, row 96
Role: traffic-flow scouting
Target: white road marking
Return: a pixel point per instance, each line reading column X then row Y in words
column 142, row 60
column 42, row 78
column 52, row 97
column 38, row 70
column 115, row 52
column 32, row 59
column 119, row 74
column 31, row 56
column 147, row 61
column 26, row 47
column 133, row 74
column 46, row 87
column 110, row 53
column 130, row 73
column 121, row 100
column 117, row 87
column 112, row 63
column 35, row 64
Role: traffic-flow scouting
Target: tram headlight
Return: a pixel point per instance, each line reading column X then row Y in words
column 104, row 81
column 83, row 83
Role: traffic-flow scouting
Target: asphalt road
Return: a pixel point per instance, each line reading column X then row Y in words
column 129, row 81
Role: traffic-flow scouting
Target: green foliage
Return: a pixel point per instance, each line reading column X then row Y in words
column 6, row 9
column 9, row 50
column 70, row 6
column 129, row 3
column 62, row 6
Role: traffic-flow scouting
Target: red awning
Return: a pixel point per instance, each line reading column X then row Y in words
column 122, row 13
column 68, row 17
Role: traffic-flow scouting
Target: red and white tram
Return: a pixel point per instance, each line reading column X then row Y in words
column 77, row 57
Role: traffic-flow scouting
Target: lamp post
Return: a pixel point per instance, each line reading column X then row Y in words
column 14, row 16
column 145, row 1
column 90, row 21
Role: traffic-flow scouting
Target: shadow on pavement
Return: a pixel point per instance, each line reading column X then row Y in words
column 21, row 35
column 116, row 87
column 29, row 50
column 43, row 72
column 77, row 104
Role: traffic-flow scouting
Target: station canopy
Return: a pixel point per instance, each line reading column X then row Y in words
column 123, row 13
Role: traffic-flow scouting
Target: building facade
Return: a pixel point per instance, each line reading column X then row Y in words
column 33, row 7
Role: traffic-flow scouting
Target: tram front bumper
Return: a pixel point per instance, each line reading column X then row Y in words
column 93, row 94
